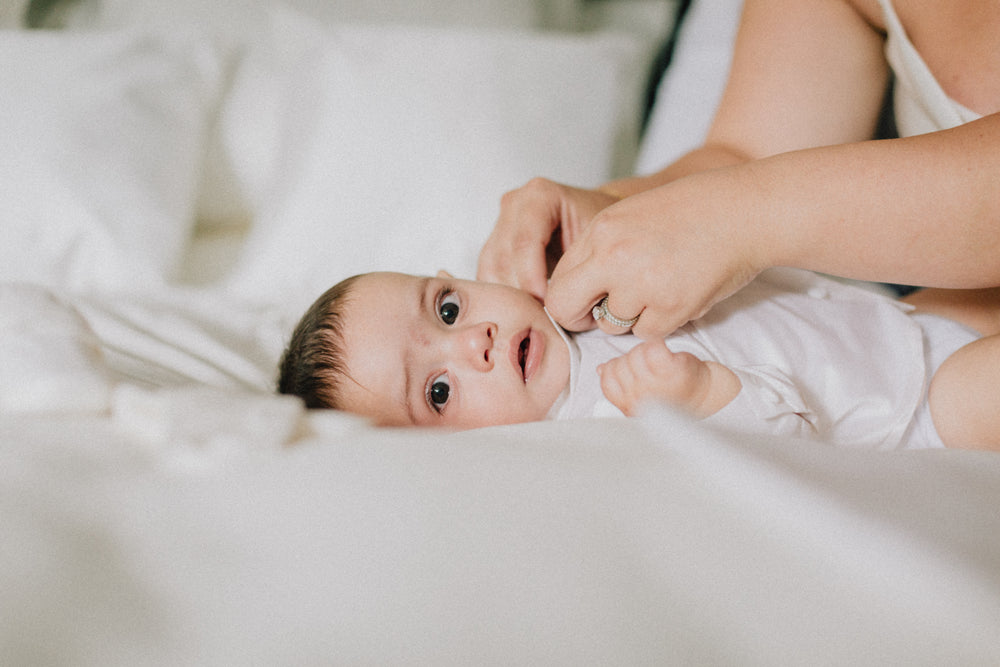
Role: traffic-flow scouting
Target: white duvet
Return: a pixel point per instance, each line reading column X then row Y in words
column 173, row 195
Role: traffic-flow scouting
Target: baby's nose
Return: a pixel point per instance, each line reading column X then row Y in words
column 477, row 343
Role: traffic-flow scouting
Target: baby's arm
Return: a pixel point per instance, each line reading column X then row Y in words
column 651, row 371
column 748, row 399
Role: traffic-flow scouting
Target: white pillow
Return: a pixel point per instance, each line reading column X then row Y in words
column 236, row 16
column 364, row 148
column 101, row 139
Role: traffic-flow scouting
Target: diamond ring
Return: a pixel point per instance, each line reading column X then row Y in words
column 601, row 312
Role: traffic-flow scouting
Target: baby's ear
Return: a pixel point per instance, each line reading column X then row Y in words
column 444, row 274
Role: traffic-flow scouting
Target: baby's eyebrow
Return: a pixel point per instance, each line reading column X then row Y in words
column 422, row 305
column 406, row 392
column 422, row 286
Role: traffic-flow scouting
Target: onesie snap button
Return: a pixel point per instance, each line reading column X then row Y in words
column 819, row 292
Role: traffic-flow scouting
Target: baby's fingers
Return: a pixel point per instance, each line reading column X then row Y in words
column 652, row 359
column 627, row 380
column 650, row 371
column 615, row 384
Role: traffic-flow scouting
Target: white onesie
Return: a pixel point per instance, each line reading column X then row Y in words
column 816, row 358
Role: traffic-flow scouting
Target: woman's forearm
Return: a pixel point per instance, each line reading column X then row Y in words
column 707, row 157
column 922, row 210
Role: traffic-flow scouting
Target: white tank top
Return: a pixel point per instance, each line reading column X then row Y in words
column 921, row 104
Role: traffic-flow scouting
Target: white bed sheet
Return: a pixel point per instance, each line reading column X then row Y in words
column 603, row 542
column 161, row 506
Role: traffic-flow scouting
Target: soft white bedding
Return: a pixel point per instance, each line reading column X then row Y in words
column 176, row 191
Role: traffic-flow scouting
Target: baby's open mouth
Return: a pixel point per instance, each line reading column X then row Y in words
column 522, row 354
column 526, row 351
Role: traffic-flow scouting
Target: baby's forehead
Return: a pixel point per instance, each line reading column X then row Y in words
column 378, row 319
column 389, row 281
column 373, row 353
column 381, row 291
column 374, row 299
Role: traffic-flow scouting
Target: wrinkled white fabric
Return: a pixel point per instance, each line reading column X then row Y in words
column 50, row 359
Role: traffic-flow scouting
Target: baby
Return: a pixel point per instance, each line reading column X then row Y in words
column 792, row 353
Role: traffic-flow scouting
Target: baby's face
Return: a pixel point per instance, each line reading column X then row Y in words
column 446, row 352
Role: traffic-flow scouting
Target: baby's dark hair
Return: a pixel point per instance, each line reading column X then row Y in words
column 312, row 366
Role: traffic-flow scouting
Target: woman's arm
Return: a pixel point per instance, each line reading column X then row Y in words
column 805, row 73
column 921, row 210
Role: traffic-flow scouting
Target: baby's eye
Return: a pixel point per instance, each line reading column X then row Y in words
column 448, row 307
column 438, row 391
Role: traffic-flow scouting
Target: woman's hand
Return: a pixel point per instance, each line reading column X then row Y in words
column 666, row 255
column 537, row 222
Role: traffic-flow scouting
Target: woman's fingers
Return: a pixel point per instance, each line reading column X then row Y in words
column 514, row 253
column 536, row 220
column 521, row 265
column 665, row 255
column 576, row 286
column 593, row 269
